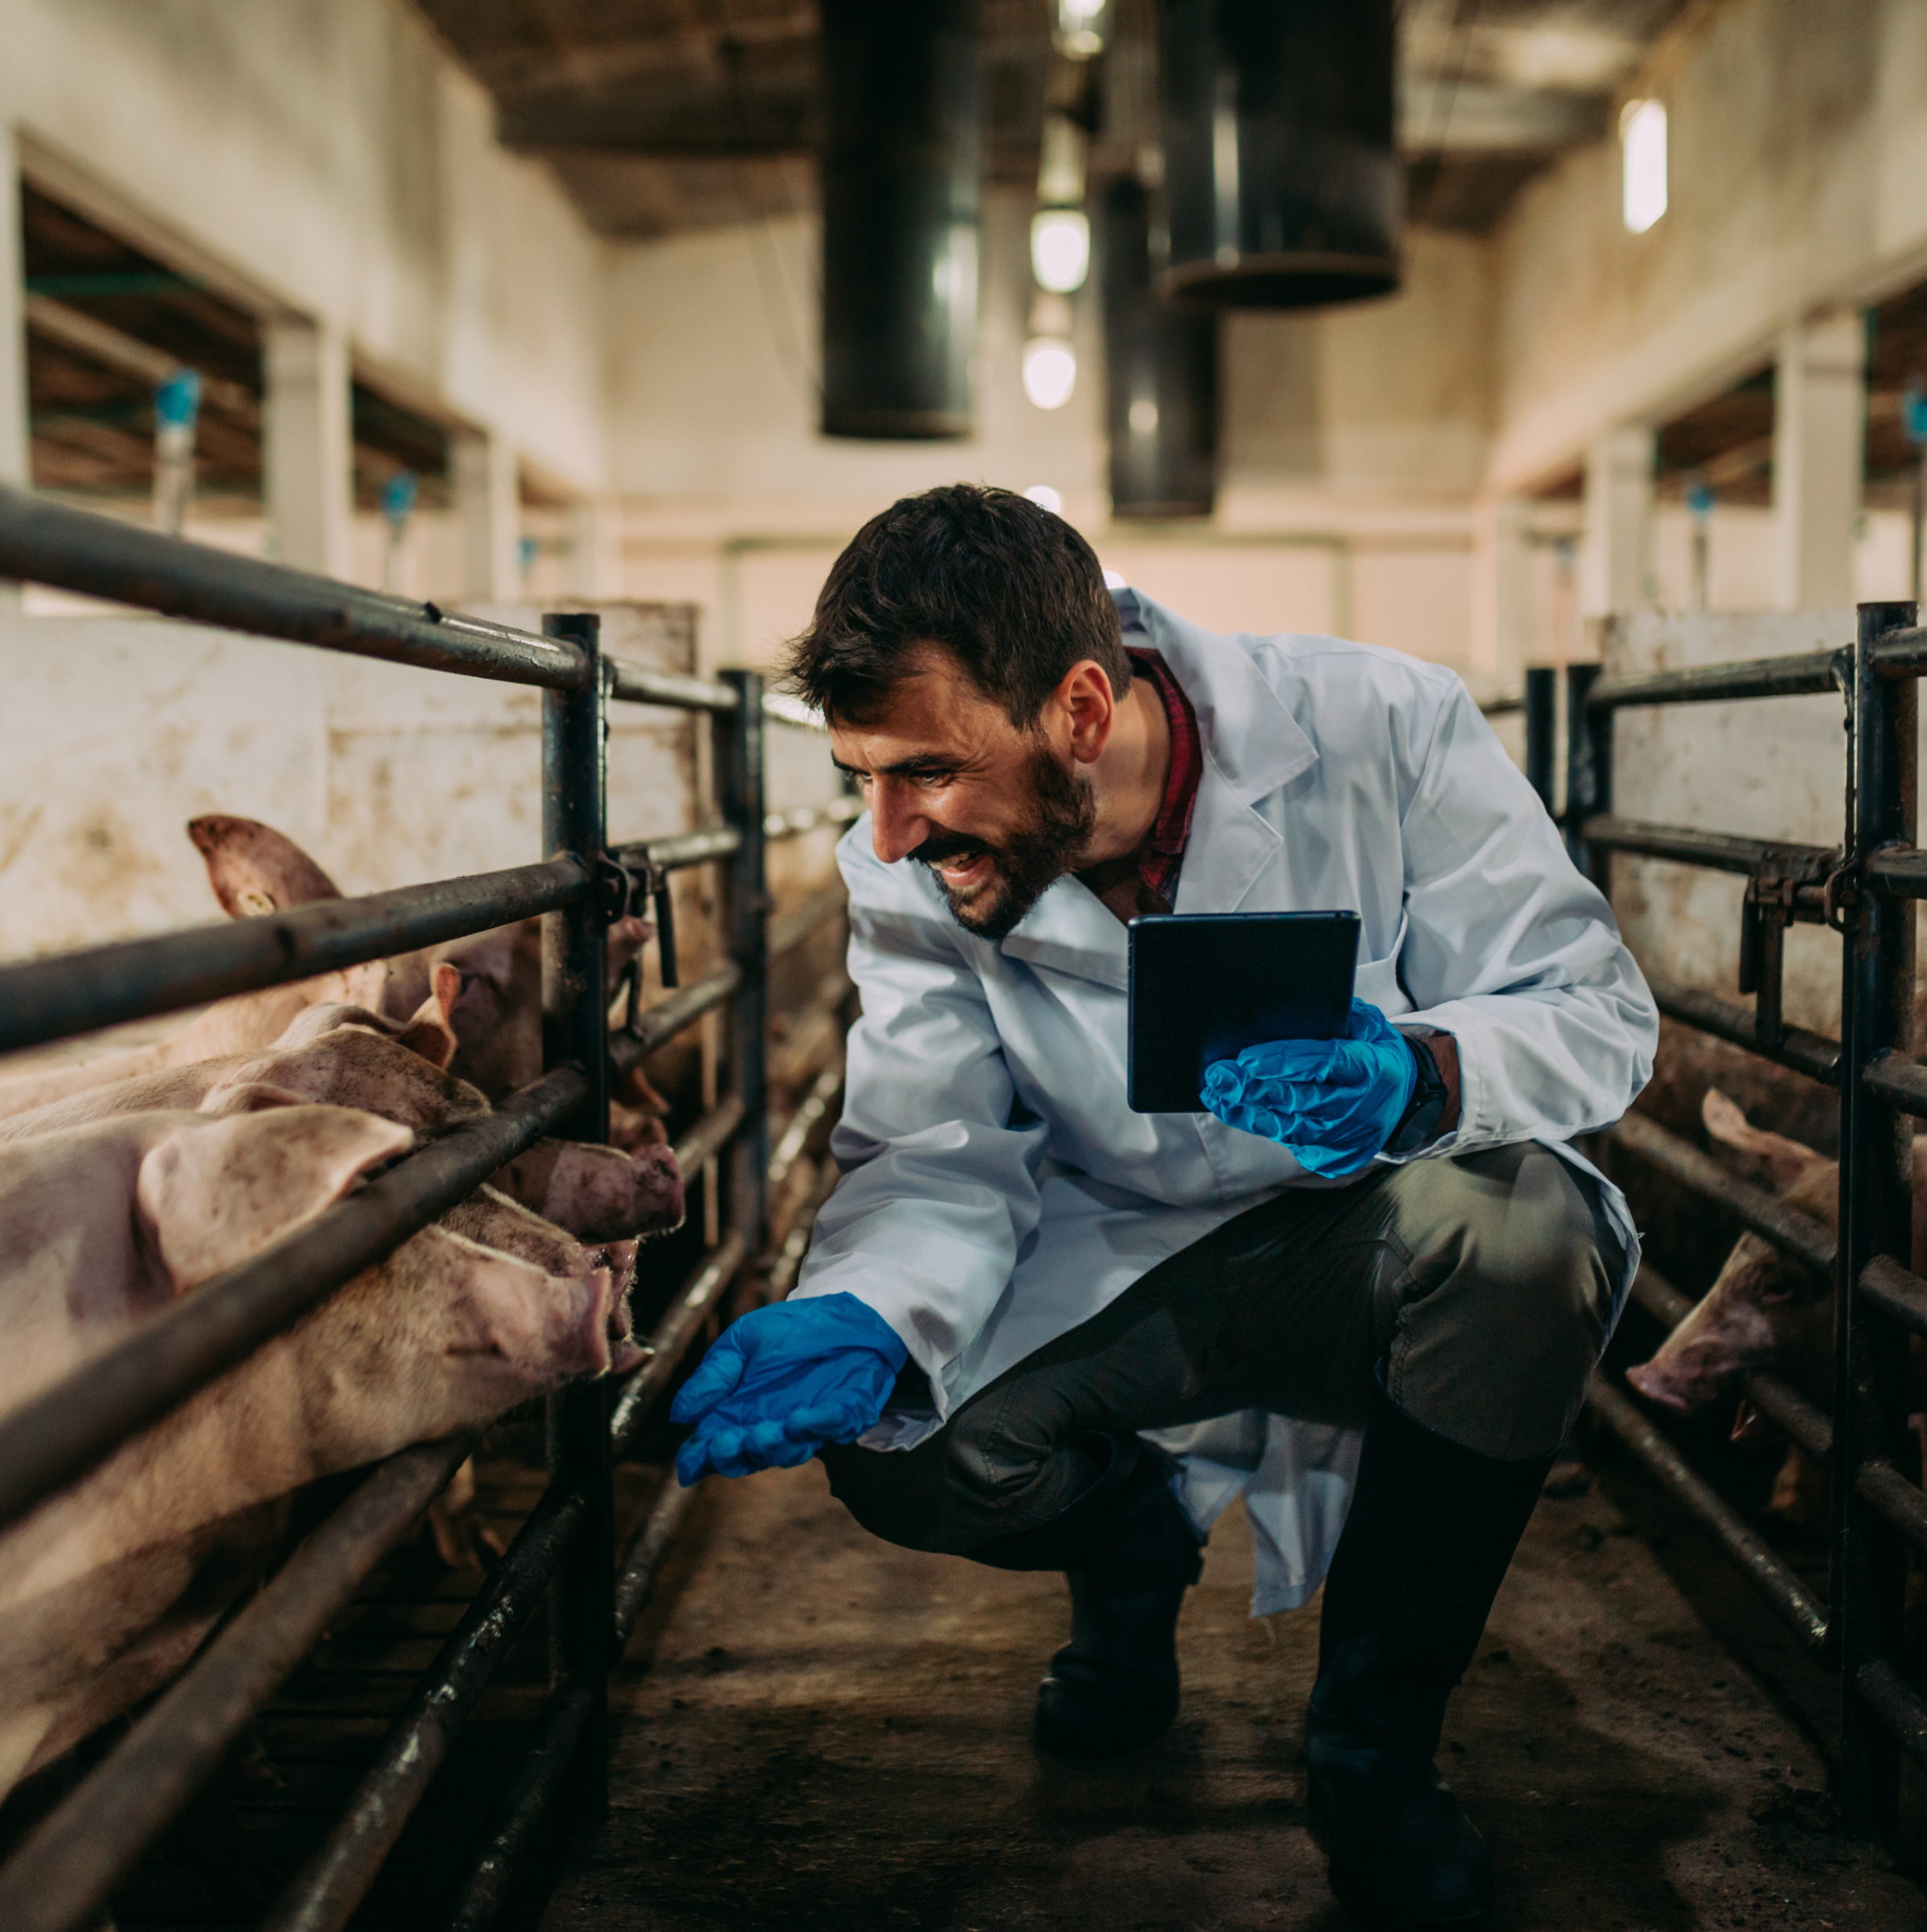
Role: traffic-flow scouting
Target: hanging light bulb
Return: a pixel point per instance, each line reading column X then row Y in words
column 1050, row 370
column 1060, row 248
column 1078, row 29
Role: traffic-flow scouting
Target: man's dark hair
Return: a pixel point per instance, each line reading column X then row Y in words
column 1009, row 589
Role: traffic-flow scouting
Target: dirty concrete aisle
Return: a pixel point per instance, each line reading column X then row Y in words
column 817, row 1730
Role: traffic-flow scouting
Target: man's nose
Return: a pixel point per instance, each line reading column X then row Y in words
column 897, row 828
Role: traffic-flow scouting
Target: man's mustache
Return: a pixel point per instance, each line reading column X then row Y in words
column 940, row 847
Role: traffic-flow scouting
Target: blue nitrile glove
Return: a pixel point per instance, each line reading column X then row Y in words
column 1334, row 1103
column 783, row 1381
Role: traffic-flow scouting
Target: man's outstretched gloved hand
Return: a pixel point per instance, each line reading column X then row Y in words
column 1333, row 1103
column 783, row 1381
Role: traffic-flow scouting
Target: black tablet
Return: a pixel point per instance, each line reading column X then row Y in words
column 1204, row 985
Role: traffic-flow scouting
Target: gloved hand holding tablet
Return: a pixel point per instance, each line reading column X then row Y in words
column 1250, row 1017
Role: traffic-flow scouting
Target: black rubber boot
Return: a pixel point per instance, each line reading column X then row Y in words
column 1129, row 1553
column 1432, row 1529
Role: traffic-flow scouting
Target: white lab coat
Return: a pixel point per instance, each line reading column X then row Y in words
column 997, row 1190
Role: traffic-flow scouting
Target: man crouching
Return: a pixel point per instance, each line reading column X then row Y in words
column 1374, row 1258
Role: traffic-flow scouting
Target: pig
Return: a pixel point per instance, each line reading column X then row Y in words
column 497, row 1015
column 107, row 1588
column 1765, row 1311
column 350, row 1058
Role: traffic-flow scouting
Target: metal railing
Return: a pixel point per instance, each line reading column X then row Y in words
column 63, row 1875
column 1860, row 889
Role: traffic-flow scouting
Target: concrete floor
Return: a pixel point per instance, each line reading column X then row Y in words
column 817, row 1730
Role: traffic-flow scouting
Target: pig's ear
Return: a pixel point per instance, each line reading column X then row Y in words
column 213, row 1194
column 626, row 938
column 253, row 868
column 431, row 1032
column 1786, row 1161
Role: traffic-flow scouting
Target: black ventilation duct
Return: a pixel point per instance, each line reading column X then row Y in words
column 1285, row 186
column 1161, row 372
column 901, row 172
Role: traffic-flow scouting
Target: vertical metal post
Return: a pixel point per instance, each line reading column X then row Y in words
column 745, row 922
column 1870, row 1407
column 575, row 1021
column 1589, row 772
column 1542, row 728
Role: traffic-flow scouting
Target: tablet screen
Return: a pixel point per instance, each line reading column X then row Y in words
column 1204, row 985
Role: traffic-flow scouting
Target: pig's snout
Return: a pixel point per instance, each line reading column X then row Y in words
column 659, row 1183
column 1717, row 1342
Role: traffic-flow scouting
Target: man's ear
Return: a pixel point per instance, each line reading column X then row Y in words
column 1085, row 697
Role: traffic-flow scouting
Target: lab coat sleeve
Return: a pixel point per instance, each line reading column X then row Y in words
column 1512, row 951
column 938, row 1189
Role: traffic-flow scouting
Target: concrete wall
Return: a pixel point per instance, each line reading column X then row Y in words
column 116, row 730
column 1797, row 138
column 342, row 166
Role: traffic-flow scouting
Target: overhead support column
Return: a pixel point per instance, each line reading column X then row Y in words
column 16, row 452
column 1501, row 590
column 1615, row 568
column 306, row 475
column 488, row 512
column 1819, row 435
column 595, row 547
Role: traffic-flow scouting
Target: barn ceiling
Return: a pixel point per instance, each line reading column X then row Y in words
column 663, row 115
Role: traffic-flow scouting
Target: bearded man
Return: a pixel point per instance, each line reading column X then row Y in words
column 1041, row 1331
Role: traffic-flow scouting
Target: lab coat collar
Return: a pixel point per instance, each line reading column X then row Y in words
column 1253, row 745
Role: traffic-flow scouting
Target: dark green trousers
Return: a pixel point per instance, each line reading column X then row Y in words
column 1484, row 1284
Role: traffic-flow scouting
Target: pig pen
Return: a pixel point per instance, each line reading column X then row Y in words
column 1822, row 1050
column 275, row 1781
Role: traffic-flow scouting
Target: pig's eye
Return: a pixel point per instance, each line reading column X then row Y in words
column 1774, row 1296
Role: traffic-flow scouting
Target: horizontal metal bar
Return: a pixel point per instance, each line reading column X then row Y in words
column 704, row 1141
column 679, row 849
column 44, row 999
column 674, row 1335
column 1720, row 852
column 1902, row 653
column 805, row 921
column 636, row 1571
column 1897, row 1292
column 1797, row 1236
column 1883, row 1489
column 1797, row 1605
column 1898, row 1706
column 157, row 1363
column 1898, row 1081
column 523, row 1813
column 62, row 1878
column 634, row 685
column 1808, row 673
column 325, row 1892
column 802, row 818
column 1813, row 1054
column 1900, row 871
column 1775, row 1398
column 41, row 542
column 816, row 1103
column 668, row 1017
column 1496, row 707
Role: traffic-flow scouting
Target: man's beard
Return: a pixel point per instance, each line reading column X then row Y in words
column 1062, row 816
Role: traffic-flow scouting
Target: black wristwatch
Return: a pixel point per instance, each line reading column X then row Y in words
column 1418, row 1125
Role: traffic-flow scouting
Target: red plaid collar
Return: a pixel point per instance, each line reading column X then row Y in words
column 1162, row 853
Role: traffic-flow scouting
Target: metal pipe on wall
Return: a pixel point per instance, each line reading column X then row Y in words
column 901, row 182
